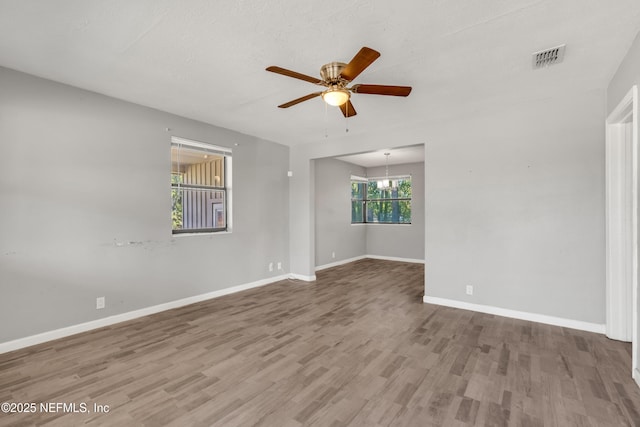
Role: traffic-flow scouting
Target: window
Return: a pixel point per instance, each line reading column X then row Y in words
column 381, row 200
column 200, row 187
column 358, row 193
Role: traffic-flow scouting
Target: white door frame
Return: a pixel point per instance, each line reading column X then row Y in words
column 622, row 224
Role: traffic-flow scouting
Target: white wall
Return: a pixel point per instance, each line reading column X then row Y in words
column 81, row 175
column 400, row 240
column 333, row 229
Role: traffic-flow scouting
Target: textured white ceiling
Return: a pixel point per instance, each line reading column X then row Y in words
column 205, row 59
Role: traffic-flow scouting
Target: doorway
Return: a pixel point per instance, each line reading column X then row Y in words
column 622, row 224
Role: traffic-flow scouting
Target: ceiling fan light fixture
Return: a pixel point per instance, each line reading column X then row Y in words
column 336, row 76
column 336, row 97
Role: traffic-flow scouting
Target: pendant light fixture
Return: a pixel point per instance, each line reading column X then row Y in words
column 386, row 183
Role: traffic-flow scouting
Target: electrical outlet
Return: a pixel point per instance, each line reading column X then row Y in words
column 469, row 290
column 279, row 266
column 270, row 266
column 100, row 303
column 333, row 254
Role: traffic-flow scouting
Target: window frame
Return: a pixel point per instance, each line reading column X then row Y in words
column 365, row 200
column 361, row 200
column 225, row 188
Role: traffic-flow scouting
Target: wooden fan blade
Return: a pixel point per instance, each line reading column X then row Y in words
column 362, row 60
column 347, row 109
column 382, row 90
column 289, row 73
column 299, row 100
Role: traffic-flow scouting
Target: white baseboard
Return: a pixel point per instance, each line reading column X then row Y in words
column 522, row 315
column 636, row 376
column 337, row 263
column 393, row 258
column 302, row 277
column 358, row 258
column 107, row 321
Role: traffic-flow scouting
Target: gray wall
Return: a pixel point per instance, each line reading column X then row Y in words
column 627, row 75
column 517, row 210
column 333, row 229
column 402, row 241
column 515, row 203
column 81, row 175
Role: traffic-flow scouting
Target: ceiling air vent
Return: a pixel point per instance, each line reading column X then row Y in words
column 547, row 57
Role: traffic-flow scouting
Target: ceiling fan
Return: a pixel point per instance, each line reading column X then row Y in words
column 336, row 76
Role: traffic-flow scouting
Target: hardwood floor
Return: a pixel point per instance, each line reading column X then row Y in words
column 356, row 348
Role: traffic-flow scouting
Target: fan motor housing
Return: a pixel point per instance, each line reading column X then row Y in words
column 330, row 72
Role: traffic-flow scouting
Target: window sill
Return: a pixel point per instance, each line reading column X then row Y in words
column 379, row 223
column 207, row 233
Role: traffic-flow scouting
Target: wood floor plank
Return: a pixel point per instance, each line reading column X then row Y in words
column 356, row 348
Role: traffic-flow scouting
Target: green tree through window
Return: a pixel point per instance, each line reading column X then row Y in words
column 176, row 201
column 358, row 192
column 199, row 186
column 381, row 201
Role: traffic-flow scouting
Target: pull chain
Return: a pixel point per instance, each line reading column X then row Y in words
column 346, row 118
